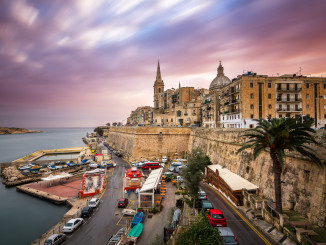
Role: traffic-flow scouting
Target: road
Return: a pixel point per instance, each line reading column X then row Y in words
column 103, row 223
column 245, row 232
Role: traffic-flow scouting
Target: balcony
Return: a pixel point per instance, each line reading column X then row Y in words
column 234, row 111
column 284, row 100
column 233, row 91
column 226, row 112
column 279, row 110
column 288, row 90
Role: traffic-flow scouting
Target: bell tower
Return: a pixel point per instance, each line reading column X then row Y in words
column 158, row 87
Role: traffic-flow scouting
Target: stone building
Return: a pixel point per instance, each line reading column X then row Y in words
column 251, row 96
column 176, row 107
column 142, row 116
column 210, row 105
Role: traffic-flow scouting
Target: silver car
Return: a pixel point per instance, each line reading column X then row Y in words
column 227, row 236
column 55, row 239
column 72, row 225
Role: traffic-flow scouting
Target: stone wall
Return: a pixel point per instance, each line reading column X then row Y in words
column 303, row 181
column 140, row 143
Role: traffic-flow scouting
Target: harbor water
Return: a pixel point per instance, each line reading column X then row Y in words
column 24, row 218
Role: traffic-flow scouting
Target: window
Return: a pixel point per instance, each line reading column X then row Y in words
column 252, row 116
column 324, row 96
column 324, row 106
column 251, row 106
column 307, row 85
column 238, row 116
column 308, row 106
column 251, row 85
column 159, row 90
column 270, row 106
column 287, row 86
column 324, row 116
column 280, row 116
column 251, row 126
column 324, row 85
column 171, row 119
column 269, row 85
column 251, row 96
column 269, row 96
column 308, row 96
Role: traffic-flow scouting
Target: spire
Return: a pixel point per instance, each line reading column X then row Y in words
column 158, row 73
column 220, row 70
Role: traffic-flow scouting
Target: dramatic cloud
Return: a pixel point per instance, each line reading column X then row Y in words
column 85, row 63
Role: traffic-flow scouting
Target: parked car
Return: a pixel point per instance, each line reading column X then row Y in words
column 55, row 239
column 171, row 169
column 94, row 202
column 205, row 205
column 227, row 236
column 86, row 212
column 123, row 202
column 202, row 195
column 72, row 225
column 179, row 179
column 216, row 217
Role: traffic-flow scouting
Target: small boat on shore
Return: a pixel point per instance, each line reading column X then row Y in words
column 136, row 231
column 35, row 168
column 25, row 167
column 138, row 218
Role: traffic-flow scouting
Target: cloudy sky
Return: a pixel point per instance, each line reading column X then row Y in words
column 85, row 63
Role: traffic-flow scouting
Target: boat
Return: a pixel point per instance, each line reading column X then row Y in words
column 136, row 231
column 138, row 218
column 35, row 168
column 25, row 167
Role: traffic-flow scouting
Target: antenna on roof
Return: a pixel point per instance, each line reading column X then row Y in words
column 300, row 70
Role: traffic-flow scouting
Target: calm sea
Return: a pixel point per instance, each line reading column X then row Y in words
column 24, row 218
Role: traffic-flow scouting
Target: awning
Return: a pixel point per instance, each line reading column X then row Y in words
column 152, row 180
column 234, row 181
column 54, row 177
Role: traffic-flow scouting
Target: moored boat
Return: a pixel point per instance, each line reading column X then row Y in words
column 136, row 231
column 138, row 218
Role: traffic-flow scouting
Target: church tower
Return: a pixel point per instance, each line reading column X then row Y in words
column 158, row 86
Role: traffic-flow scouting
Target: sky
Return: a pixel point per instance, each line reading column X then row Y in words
column 82, row 63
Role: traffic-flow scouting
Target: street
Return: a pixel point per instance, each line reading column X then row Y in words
column 102, row 224
column 245, row 232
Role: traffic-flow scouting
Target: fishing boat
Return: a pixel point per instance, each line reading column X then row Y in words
column 138, row 218
column 135, row 232
column 25, row 167
column 35, row 168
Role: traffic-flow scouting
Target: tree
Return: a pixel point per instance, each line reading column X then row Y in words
column 279, row 135
column 194, row 172
column 99, row 131
column 200, row 233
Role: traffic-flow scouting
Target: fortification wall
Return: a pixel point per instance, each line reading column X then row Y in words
column 302, row 181
column 140, row 143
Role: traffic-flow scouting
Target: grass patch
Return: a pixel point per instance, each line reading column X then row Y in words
column 293, row 216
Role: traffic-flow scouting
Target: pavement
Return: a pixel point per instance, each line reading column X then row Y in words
column 247, row 228
column 154, row 226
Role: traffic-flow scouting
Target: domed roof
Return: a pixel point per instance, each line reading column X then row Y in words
column 220, row 80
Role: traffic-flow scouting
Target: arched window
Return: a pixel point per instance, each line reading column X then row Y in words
column 159, row 90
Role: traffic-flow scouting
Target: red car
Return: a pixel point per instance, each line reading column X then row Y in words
column 216, row 217
column 123, row 202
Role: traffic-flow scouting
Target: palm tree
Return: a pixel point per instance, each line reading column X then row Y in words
column 276, row 136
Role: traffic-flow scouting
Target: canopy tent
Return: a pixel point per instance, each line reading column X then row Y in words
column 150, row 185
column 54, row 177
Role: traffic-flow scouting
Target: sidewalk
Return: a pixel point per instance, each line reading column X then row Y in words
column 267, row 229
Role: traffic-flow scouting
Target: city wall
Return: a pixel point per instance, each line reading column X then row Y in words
column 140, row 143
column 303, row 182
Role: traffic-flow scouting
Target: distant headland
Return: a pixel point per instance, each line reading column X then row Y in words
column 17, row 131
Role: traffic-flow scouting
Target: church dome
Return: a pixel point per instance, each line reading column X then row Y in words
column 220, row 80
